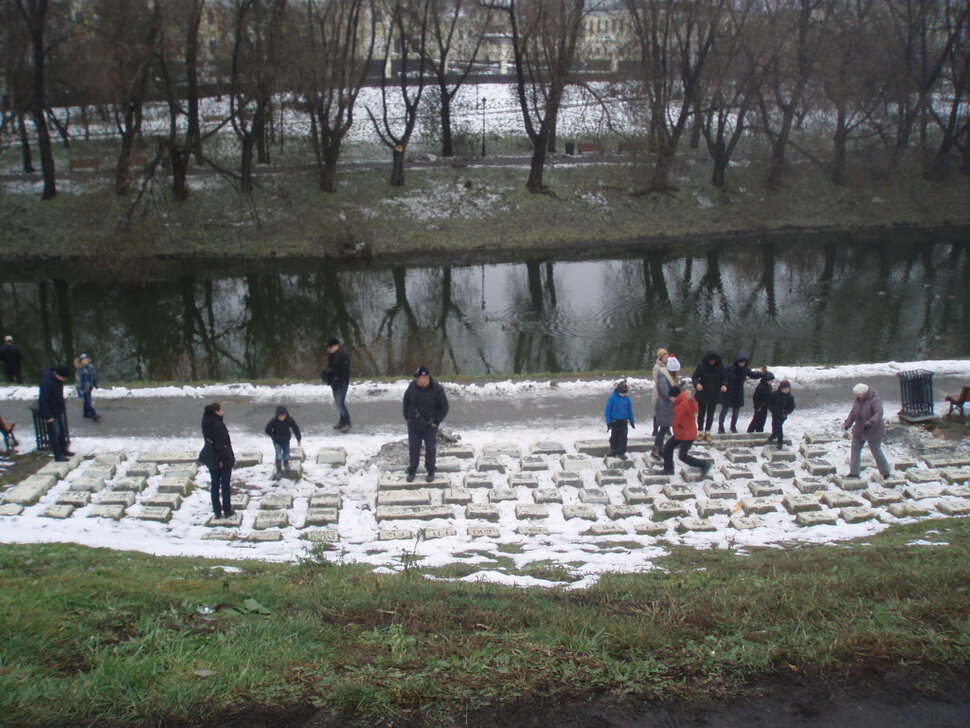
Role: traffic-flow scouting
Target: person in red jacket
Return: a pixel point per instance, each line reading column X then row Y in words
column 685, row 432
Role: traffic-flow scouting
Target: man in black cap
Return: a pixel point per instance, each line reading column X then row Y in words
column 425, row 407
column 11, row 357
column 337, row 375
column 53, row 410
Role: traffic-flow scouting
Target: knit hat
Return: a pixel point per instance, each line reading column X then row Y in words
column 860, row 390
column 281, row 410
column 784, row 384
column 83, row 356
column 422, row 371
column 673, row 364
column 622, row 386
column 333, row 342
column 662, row 352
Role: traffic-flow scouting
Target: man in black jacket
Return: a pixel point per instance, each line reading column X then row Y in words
column 53, row 411
column 425, row 407
column 11, row 357
column 337, row 375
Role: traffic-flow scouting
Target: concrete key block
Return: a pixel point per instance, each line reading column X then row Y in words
column 123, row 498
column 490, row 464
column 615, row 513
column 618, row 463
column 56, row 470
column 800, row 503
column 954, row 506
column 523, row 480
column 745, row 523
column 587, row 513
column 881, row 496
column 593, row 496
column 87, row 485
column 169, row 457
column 271, row 519
column 321, row 516
column 947, row 461
column 233, row 521
column 708, row 508
column 764, row 488
column 390, row 481
column 806, row 486
column 698, row 525
column 483, row 532
column 848, row 483
column 568, row 479
column 321, row 535
column 333, row 456
column 416, row 497
column 481, row 512
column 499, row 449
column 78, row 499
column 141, row 470
column 448, row 465
column 268, row 536
column 892, row 481
column 394, row 534
column 675, row 491
column 593, row 448
column 733, row 472
column 739, row 456
column 101, row 510
column 462, row 452
column 172, row 501
column 907, row 510
column 955, row 476
column 664, row 509
column 772, row 454
column 477, row 480
column 102, row 470
column 838, row 499
column 903, row 463
column 239, row 501
column 804, row 519
column 525, row 511
column 719, row 491
column 457, row 496
column 57, row 511
column 779, row 471
column 648, row 478
column 432, row 533
column 605, row 529
column 11, row 509
column 922, row 477
column 636, row 495
column 155, row 513
column 248, row 459
column 759, row 505
column 922, row 492
column 575, row 462
column 276, row 501
column 812, row 452
column 818, row 438
column 325, row 500
column 29, row 490
column 819, row 467
column 175, row 484
column 547, row 495
column 548, row 447
column 533, row 463
column 502, row 494
column 425, row 513
column 220, row 534
column 958, row 491
column 610, row 477
column 650, row 528
column 857, row 514
column 532, row 530
column 134, row 484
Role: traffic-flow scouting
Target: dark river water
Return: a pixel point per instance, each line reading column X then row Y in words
column 815, row 300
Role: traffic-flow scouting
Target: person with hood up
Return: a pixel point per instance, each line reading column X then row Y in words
column 762, row 393
column 868, row 427
column 709, row 382
column 663, row 410
column 53, row 410
column 425, row 408
column 278, row 430
column 733, row 397
column 619, row 415
column 780, row 404
column 685, row 432
column 218, row 457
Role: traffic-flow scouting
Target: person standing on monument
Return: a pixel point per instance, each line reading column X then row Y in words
column 425, row 408
column 217, row 455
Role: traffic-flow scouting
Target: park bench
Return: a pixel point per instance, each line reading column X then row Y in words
column 635, row 147
column 9, row 438
column 585, row 147
column 957, row 402
column 85, row 163
column 137, row 161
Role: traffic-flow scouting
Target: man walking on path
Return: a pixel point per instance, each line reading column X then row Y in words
column 54, row 412
column 868, row 426
column 425, row 407
column 337, row 375
column 11, row 357
column 87, row 382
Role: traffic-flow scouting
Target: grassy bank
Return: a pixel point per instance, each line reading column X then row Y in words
column 459, row 207
column 110, row 638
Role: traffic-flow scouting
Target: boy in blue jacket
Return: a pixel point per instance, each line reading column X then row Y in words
column 619, row 415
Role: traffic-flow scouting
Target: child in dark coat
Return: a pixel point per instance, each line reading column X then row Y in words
column 762, row 393
column 619, row 415
column 279, row 431
column 780, row 404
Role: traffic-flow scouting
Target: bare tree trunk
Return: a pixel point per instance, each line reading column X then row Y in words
column 538, row 163
column 397, row 167
column 447, row 145
column 28, row 164
column 35, row 15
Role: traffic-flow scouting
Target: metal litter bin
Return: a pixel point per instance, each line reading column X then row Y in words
column 40, row 428
column 916, row 390
column 570, row 147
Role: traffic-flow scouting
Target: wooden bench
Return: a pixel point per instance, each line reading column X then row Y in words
column 957, row 402
column 85, row 163
column 212, row 119
column 590, row 147
column 137, row 161
column 635, row 147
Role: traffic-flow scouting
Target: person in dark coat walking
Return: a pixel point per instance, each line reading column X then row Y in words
column 780, row 404
column 11, row 357
column 218, row 457
column 868, row 427
column 87, row 382
column 53, row 411
column 425, row 408
column 710, row 384
column 733, row 397
column 337, row 375
column 278, row 430
column 619, row 416
column 762, row 393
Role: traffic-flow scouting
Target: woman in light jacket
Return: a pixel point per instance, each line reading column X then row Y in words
column 868, row 427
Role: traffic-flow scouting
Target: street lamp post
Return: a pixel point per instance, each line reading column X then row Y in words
column 483, row 125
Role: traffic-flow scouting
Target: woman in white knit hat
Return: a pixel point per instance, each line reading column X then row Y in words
column 868, row 427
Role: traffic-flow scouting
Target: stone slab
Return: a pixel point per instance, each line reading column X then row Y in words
column 483, row 532
column 778, row 471
column 719, row 491
column 29, row 490
column 585, row 512
column 881, row 496
column 619, row 463
column 615, row 513
column 57, row 511
column 394, row 534
column 239, row 501
column 123, row 498
column 524, row 511
column 448, row 465
column 169, row 457
column 101, row 471
column 708, row 508
column 733, row 472
column 649, row 528
column 605, row 529
column 233, row 521
column 958, row 491
column 462, row 452
column 610, row 477
column 592, row 496
column 772, row 454
column 956, row 475
column 321, row 535
column 78, row 499
column 635, row 495
column 739, row 456
column 548, row 447
column 568, row 479
column 133, row 484
column 839, row 499
column 424, row 513
column 523, row 480
column 111, row 458
column 141, row 470
column 532, row 463
column 795, row 504
column 172, row 501
column 490, row 464
column 85, row 484
column 806, row 486
column 819, row 467
column 11, row 509
column 575, row 462
column 745, row 523
column 333, row 456
column 697, row 525
column 903, row 463
column 321, row 516
column 819, row 438
column 532, row 530
column 893, row 481
column 593, row 448
column 847, row 483
column 500, row 449
column 271, row 519
column 764, row 488
column 923, row 476
column 547, row 495
column 390, row 481
column 482, row 512
column 675, row 491
column 102, row 510
column 499, row 495
column 954, row 507
column 922, row 492
column 175, row 484
column 457, row 496
column 248, row 459
column 273, row 534
column 293, row 472
column 417, row 497
column 56, row 470
column 805, row 519
column 664, row 509
column 812, row 452
column 857, row 514
column 648, row 478
column 758, row 505
column 432, row 533
column 155, row 513
column 219, row 534
column 907, row 510
column 947, row 461
column 325, row 500
column 477, row 480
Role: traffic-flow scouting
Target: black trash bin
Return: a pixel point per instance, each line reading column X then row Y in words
column 40, row 428
column 570, row 147
column 916, row 389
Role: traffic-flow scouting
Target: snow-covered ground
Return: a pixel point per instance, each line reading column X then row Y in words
column 566, row 541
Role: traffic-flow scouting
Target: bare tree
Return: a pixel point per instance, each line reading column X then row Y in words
column 405, row 29
column 337, row 44
column 955, row 123
column 15, row 52
column 544, row 37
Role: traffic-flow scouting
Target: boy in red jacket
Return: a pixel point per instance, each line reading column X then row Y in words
column 685, row 432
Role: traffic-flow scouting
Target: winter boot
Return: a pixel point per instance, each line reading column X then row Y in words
column 279, row 468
